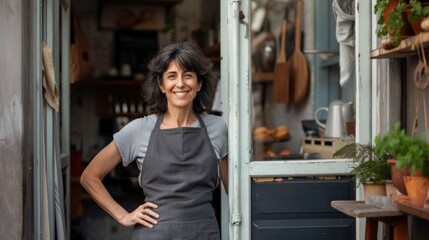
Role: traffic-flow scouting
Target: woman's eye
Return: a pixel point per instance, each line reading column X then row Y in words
column 188, row 75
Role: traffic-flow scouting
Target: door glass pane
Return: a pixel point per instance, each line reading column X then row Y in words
column 287, row 91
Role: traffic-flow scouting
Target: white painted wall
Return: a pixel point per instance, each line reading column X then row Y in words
column 11, row 120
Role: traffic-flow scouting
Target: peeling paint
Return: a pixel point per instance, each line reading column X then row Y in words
column 11, row 121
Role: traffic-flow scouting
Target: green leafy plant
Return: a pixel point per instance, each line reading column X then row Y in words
column 392, row 27
column 379, row 9
column 417, row 11
column 371, row 167
column 410, row 151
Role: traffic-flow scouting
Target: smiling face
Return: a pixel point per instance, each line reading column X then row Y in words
column 179, row 86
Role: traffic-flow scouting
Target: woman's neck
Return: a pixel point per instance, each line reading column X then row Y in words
column 174, row 119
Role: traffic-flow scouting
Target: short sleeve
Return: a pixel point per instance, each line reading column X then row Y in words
column 127, row 140
column 218, row 133
column 224, row 148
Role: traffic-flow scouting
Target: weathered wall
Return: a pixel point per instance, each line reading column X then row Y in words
column 11, row 120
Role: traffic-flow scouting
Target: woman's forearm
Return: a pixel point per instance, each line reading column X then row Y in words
column 102, row 197
column 224, row 172
column 102, row 164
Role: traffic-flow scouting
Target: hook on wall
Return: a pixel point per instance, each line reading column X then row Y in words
column 242, row 17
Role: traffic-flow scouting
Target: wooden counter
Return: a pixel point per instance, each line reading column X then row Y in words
column 413, row 210
column 391, row 216
column 359, row 209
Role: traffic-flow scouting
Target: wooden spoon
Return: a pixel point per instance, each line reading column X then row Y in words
column 281, row 72
column 298, row 63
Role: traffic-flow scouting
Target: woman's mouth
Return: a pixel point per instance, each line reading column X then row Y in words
column 180, row 94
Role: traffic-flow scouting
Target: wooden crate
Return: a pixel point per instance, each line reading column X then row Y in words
column 326, row 147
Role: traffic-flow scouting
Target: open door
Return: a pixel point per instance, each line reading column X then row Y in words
column 244, row 165
column 236, row 88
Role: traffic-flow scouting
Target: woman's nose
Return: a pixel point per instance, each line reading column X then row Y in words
column 180, row 82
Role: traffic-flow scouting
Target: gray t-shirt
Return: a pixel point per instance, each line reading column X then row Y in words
column 133, row 139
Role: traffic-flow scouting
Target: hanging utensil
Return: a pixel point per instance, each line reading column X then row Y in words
column 298, row 63
column 421, row 72
column 421, row 80
column 281, row 72
column 290, row 32
column 265, row 56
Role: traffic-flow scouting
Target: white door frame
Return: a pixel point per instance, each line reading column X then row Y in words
column 236, row 104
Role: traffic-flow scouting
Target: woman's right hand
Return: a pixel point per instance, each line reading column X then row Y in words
column 143, row 215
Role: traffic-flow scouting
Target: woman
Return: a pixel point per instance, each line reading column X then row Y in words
column 180, row 151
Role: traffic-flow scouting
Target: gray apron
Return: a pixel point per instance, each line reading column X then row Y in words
column 179, row 174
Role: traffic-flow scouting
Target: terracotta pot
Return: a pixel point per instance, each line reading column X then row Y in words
column 398, row 176
column 371, row 188
column 415, row 25
column 406, row 30
column 390, row 189
column 417, row 189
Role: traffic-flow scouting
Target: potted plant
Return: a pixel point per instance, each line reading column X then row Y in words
column 371, row 170
column 411, row 154
column 416, row 12
column 390, row 144
column 392, row 21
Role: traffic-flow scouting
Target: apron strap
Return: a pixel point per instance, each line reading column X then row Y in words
column 161, row 118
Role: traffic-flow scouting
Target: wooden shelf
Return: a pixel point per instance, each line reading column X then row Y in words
column 158, row 2
column 130, row 115
column 262, row 77
column 109, row 82
column 115, row 97
column 213, row 50
column 331, row 62
column 404, row 49
column 213, row 53
column 271, row 140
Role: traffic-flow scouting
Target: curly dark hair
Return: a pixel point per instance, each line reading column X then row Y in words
column 190, row 58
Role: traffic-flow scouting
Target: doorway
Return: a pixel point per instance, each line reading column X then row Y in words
column 119, row 47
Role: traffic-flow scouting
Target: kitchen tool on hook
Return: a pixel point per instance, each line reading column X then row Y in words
column 298, row 62
column 416, row 119
column 281, row 88
column 421, row 80
column 421, row 72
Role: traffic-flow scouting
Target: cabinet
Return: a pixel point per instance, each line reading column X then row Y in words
column 123, row 96
column 117, row 97
column 299, row 208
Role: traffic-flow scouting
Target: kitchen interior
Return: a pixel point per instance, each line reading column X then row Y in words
column 121, row 38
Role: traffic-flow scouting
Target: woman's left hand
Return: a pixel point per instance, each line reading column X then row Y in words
column 143, row 215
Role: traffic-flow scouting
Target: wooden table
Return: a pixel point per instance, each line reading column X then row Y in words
column 391, row 216
column 413, row 210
